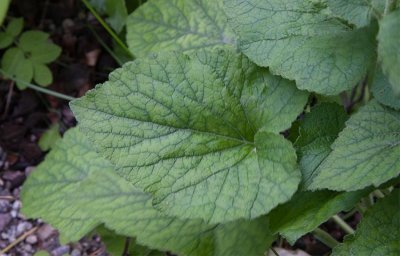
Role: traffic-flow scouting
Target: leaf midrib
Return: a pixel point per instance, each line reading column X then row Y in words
column 243, row 141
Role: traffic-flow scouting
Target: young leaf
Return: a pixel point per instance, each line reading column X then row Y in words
column 383, row 91
column 307, row 210
column 16, row 66
column 14, row 28
column 388, row 48
column 199, row 132
column 40, row 51
column 42, row 74
column 365, row 153
column 357, row 12
column 5, row 40
column 317, row 131
column 75, row 190
column 181, row 25
column 379, row 230
column 50, row 137
column 298, row 40
column 29, row 38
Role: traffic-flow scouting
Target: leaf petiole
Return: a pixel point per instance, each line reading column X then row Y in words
column 325, row 237
column 346, row 227
column 41, row 89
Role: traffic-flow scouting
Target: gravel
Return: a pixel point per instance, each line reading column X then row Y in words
column 13, row 225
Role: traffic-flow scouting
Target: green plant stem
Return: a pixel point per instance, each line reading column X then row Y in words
column 389, row 6
column 378, row 194
column 50, row 92
column 325, row 237
column 371, row 199
column 349, row 214
column 346, row 227
column 274, row 252
column 107, row 28
column 41, row 89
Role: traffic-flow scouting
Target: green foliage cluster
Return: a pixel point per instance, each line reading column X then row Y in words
column 225, row 132
column 27, row 60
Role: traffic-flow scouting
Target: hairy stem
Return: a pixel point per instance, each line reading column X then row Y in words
column 379, row 194
column 346, row 227
column 126, row 247
column 325, row 237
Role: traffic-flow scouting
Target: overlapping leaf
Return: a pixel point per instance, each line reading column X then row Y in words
column 115, row 244
column 383, row 91
column 181, row 25
column 317, row 131
column 388, row 48
column 307, row 210
column 76, row 190
column 379, row 230
column 12, row 30
column 365, row 153
column 357, row 12
column 188, row 130
column 298, row 40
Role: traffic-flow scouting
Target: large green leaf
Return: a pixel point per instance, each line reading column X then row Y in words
column 298, row 40
column 317, row 131
column 307, row 210
column 357, row 12
column 182, row 25
column 200, row 132
column 365, row 153
column 388, row 47
column 383, row 91
column 75, row 190
column 379, row 230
